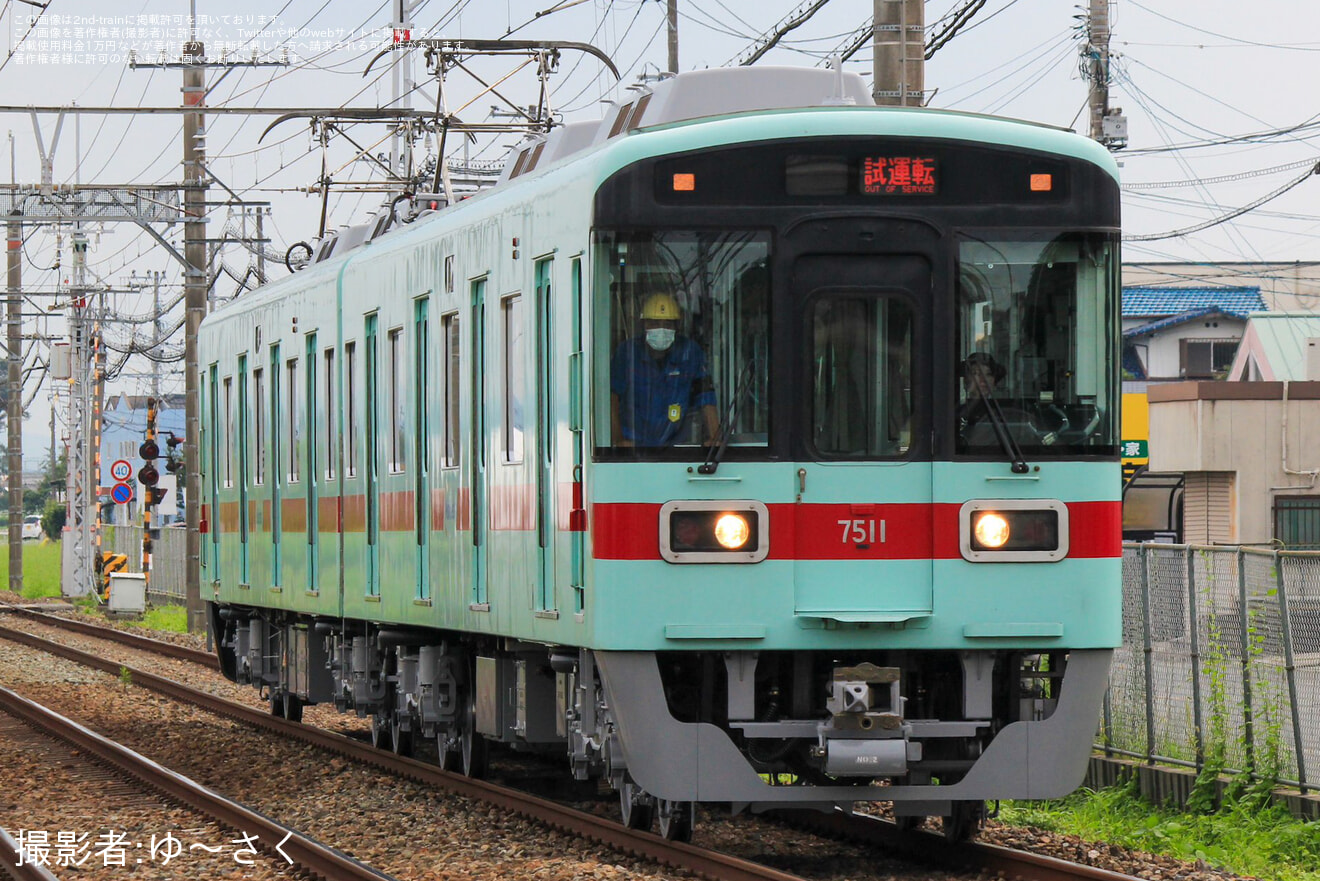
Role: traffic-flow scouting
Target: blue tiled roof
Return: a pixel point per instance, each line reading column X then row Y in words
column 1174, row 320
column 1157, row 302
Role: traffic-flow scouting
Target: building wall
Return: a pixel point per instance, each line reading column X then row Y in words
column 1237, row 430
column 1162, row 354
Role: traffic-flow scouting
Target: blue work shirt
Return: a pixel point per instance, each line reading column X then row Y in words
column 655, row 396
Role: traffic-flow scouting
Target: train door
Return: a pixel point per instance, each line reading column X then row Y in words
column 546, row 489
column 477, row 474
column 371, row 452
column 863, row 518
column 213, row 471
column 241, row 441
column 276, row 471
column 577, row 516
column 313, row 425
column 422, row 445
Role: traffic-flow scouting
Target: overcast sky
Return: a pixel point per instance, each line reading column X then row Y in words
column 1226, row 84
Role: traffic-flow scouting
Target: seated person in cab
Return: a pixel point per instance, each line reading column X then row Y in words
column 980, row 374
column 658, row 379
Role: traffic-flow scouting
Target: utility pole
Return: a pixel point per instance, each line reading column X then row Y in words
column 401, row 80
column 194, row 237
column 1109, row 127
column 78, row 542
column 673, row 36
column 14, row 341
column 155, row 334
column 900, row 53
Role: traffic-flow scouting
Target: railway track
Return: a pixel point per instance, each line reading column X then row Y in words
column 919, row 846
column 299, row 851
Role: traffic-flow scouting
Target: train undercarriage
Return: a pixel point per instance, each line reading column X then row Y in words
column 936, row 733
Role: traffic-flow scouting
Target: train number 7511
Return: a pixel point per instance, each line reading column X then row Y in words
column 861, row 531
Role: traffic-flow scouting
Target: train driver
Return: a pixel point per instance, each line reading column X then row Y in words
column 980, row 374
column 658, row 379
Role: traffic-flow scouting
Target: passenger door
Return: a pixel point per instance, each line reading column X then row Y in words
column 863, row 524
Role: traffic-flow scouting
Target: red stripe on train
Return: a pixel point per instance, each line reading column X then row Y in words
column 631, row 531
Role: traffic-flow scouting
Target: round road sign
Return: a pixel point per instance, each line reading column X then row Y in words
column 121, row 470
column 122, row 493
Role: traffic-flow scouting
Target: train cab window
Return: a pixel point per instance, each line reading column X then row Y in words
column 330, row 428
column 1036, row 358
column 682, row 342
column 860, row 376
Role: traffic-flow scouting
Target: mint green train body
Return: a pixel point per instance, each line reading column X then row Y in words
column 518, row 613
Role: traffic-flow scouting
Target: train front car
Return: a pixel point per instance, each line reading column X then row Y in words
column 855, row 489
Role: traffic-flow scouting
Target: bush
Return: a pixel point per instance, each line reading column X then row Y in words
column 52, row 521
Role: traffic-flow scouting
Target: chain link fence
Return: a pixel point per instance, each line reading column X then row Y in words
column 169, row 555
column 1220, row 658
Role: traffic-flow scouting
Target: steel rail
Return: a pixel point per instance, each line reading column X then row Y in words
column 645, row 845
column 13, row 866
column 929, row 847
column 145, row 643
column 924, row 846
column 275, row 838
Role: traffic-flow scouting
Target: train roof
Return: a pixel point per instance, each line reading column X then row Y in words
column 709, row 108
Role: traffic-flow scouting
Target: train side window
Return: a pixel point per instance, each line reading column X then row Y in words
column 294, row 475
column 514, row 381
column 259, row 384
column 397, row 430
column 229, row 432
column 350, row 410
column 331, row 427
column 451, row 380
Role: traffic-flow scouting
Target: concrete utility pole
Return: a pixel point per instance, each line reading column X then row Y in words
column 673, row 35
column 194, row 297
column 14, row 341
column 900, row 53
column 1109, row 127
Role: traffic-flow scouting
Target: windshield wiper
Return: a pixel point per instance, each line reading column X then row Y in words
column 1000, row 425
column 726, row 424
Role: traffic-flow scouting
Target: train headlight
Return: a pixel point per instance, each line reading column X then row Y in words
column 1014, row 530
column 989, row 529
column 711, row 531
column 732, row 531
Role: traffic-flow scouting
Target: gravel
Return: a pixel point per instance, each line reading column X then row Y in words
column 452, row 836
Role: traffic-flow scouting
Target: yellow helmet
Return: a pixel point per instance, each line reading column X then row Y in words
column 660, row 307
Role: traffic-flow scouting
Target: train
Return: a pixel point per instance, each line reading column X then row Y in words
column 753, row 446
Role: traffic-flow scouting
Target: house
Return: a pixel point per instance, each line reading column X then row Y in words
column 1246, row 450
column 123, row 429
column 1279, row 346
column 1177, row 333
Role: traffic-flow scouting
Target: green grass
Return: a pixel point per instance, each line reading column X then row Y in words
column 174, row 618
column 1239, row 838
column 41, row 569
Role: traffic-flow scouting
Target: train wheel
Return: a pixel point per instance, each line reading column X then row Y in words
column 450, row 750
column 277, row 703
column 293, row 708
column 637, row 808
column 381, row 734
column 402, row 740
column 473, row 749
column 965, row 820
column 676, row 819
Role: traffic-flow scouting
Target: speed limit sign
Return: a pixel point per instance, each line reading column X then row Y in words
column 121, row 470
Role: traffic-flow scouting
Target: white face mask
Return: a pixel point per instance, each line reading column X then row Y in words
column 660, row 338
